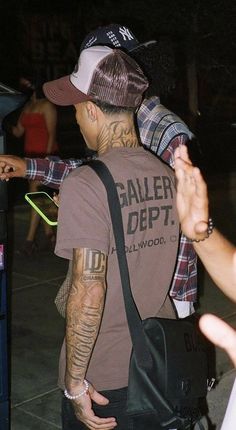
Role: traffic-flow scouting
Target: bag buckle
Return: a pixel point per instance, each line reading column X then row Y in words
column 210, row 384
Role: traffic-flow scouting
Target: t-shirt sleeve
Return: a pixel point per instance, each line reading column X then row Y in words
column 83, row 217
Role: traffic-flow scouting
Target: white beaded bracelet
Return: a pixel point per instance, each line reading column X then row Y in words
column 210, row 229
column 77, row 396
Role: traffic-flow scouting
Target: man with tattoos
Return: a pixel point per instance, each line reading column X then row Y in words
column 106, row 89
column 160, row 130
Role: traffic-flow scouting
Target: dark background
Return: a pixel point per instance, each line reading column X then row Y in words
column 43, row 38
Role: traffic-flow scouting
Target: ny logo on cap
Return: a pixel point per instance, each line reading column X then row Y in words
column 125, row 33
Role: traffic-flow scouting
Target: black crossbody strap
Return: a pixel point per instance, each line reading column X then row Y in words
column 140, row 347
column 134, row 321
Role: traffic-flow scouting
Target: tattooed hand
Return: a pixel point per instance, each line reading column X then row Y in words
column 84, row 412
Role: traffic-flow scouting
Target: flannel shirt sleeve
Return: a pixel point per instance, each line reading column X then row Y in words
column 50, row 171
column 184, row 284
column 168, row 153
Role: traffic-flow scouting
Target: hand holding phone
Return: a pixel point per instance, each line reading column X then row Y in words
column 44, row 205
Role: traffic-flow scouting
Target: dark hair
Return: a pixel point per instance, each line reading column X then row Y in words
column 36, row 85
column 38, row 89
column 111, row 109
column 157, row 62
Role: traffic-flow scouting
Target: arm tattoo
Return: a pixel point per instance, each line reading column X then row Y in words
column 84, row 310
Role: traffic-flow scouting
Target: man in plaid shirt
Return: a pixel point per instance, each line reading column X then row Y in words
column 161, row 131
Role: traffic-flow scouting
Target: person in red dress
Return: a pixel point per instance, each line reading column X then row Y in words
column 37, row 123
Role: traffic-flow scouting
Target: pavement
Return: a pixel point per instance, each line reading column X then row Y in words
column 37, row 329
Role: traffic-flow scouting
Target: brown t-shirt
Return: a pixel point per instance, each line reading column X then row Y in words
column 147, row 195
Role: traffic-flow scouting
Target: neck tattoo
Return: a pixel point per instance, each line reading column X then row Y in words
column 117, row 134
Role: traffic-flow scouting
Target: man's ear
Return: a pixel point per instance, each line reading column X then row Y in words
column 92, row 111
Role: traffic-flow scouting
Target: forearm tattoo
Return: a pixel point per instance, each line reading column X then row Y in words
column 84, row 309
column 115, row 134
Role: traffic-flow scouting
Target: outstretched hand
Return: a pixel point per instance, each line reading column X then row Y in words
column 12, row 167
column 192, row 198
column 220, row 333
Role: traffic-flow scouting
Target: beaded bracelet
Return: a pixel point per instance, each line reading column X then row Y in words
column 77, row 396
column 210, row 229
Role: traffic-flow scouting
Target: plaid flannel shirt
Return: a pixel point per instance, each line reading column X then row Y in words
column 158, row 127
column 52, row 171
column 162, row 132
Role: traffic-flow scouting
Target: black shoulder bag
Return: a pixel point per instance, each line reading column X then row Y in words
column 168, row 366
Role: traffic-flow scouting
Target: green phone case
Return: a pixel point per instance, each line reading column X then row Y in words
column 38, row 210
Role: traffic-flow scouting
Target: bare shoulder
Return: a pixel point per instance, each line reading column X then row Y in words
column 46, row 105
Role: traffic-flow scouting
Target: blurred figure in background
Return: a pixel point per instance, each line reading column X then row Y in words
column 37, row 124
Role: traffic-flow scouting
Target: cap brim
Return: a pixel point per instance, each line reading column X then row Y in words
column 143, row 45
column 63, row 93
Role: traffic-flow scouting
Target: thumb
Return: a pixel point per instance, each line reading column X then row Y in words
column 98, row 398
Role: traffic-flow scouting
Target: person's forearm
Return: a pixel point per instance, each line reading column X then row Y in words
column 51, row 143
column 217, row 254
column 83, row 317
column 50, row 172
column 50, row 146
column 37, row 169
